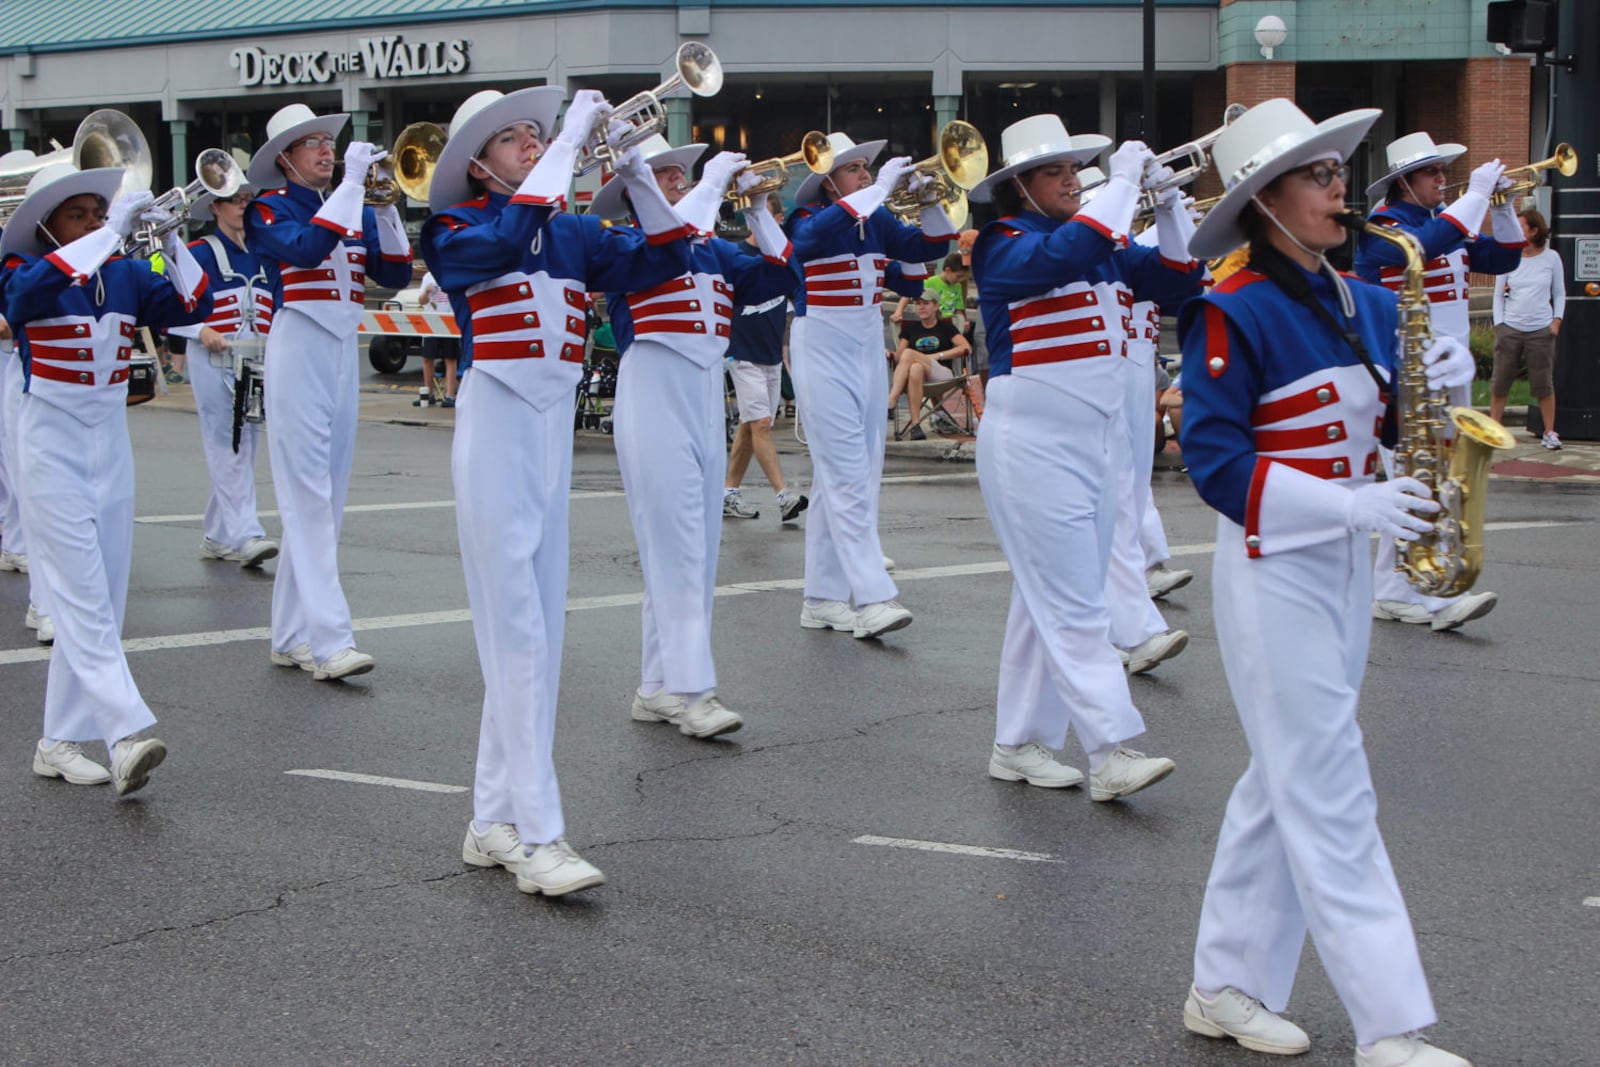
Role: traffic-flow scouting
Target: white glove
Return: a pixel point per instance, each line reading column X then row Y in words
column 631, row 165
column 358, row 159
column 747, row 180
column 720, row 171
column 893, row 172
column 125, row 211
column 155, row 215
column 1128, row 162
column 1485, row 178
column 1388, row 508
column 1448, row 364
column 587, row 107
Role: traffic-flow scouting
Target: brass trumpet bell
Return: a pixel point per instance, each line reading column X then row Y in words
column 1564, row 162
column 815, row 153
column 961, row 163
column 699, row 71
column 409, row 169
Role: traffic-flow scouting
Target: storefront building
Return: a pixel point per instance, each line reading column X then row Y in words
column 891, row 70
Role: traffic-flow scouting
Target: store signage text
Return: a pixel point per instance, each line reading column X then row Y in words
column 374, row 57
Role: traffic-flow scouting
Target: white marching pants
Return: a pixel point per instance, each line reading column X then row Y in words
column 1152, row 535
column 77, row 499
column 16, row 534
column 1044, row 466
column 1134, row 617
column 312, row 390
column 1390, row 584
column 231, row 508
column 512, row 469
column 1299, row 847
column 841, row 384
column 672, row 449
column 8, row 500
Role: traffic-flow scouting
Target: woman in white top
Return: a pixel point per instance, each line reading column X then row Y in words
column 1528, row 305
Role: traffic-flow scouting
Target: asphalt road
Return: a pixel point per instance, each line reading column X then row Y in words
column 236, row 912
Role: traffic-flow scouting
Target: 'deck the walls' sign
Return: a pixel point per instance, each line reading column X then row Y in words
column 373, row 57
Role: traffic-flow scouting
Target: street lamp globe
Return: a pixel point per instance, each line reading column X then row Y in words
column 1270, row 33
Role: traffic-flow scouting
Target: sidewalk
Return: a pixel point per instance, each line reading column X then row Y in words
column 1577, row 464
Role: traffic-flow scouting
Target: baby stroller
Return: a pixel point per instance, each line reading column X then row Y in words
column 598, row 386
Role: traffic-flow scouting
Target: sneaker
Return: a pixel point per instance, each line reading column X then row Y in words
column 888, row 563
column 210, row 549
column 1161, row 580
column 733, row 507
column 1159, row 648
column 556, row 870
column 1246, row 1020
column 1034, row 764
column 706, row 717
column 65, row 759
column 886, row 616
column 916, row 434
column 1464, row 608
column 133, row 760
column 175, row 378
column 1551, row 440
column 44, row 631
column 14, row 561
column 345, row 663
column 498, row 846
column 1400, row 611
column 256, row 551
column 448, row 402
column 298, row 656
column 828, row 615
column 1126, row 772
column 791, row 504
column 1408, row 1050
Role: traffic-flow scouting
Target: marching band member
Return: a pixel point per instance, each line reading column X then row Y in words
column 1287, row 377
column 241, row 309
column 670, row 426
column 75, row 305
column 1135, row 624
column 1056, row 283
column 318, row 248
column 1412, row 192
column 843, row 240
column 518, row 271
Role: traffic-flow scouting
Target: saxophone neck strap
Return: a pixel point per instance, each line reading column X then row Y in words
column 1281, row 271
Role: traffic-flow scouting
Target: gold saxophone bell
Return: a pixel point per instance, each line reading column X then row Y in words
column 699, row 71
column 815, row 153
column 961, row 163
column 409, row 169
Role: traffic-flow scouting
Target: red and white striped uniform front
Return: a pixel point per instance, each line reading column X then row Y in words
column 695, row 309
column 227, row 311
column 1073, row 337
column 1444, row 278
column 528, row 332
column 1327, row 423
column 845, row 281
column 81, row 363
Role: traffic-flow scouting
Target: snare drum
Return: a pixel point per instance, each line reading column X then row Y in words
column 142, row 373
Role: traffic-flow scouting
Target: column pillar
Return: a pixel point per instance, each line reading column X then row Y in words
column 17, row 140
column 680, row 121
column 360, row 124
column 945, row 109
column 178, row 130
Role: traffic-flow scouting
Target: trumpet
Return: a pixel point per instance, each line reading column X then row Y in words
column 815, row 152
column 409, row 168
column 1564, row 163
column 961, row 163
column 699, row 71
column 1198, row 155
column 217, row 175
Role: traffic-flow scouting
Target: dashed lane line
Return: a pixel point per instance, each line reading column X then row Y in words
column 979, row 851
column 38, row 653
column 378, row 779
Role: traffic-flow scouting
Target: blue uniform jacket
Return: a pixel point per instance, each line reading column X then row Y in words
column 1439, row 235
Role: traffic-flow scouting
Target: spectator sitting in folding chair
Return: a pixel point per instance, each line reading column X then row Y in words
column 926, row 346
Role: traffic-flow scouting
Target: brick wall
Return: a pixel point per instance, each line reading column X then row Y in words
column 1251, row 83
column 1492, row 96
column 1208, row 94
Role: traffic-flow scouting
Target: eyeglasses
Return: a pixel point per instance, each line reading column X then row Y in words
column 1324, row 173
column 316, row 144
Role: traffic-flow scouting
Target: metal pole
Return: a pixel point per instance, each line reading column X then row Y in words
column 1575, row 224
column 1147, row 119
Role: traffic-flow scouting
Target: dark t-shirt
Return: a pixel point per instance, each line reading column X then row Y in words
column 756, row 333
column 939, row 337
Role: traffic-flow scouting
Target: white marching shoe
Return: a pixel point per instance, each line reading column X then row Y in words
column 1407, row 1050
column 44, row 631
column 881, row 618
column 1155, row 651
column 256, row 551
column 1244, row 1019
column 345, row 663
column 1034, row 764
column 1161, row 580
column 298, row 656
column 65, row 759
column 1125, row 772
column 1463, row 609
column 132, row 760
column 556, row 870
column 706, row 718
column 498, row 846
column 828, row 615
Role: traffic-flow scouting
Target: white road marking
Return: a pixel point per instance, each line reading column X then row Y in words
column 377, row 779
column 40, row 653
column 407, row 505
column 960, row 850
column 1591, row 902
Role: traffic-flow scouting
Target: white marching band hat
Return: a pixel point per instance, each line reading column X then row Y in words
column 1410, row 152
column 286, row 126
column 1093, row 179
column 845, row 151
column 46, row 191
column 1037, row 141
column 480, row 117
column 659, row 154
column 1265, row 142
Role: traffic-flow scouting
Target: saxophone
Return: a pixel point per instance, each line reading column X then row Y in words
column 1447, row 561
